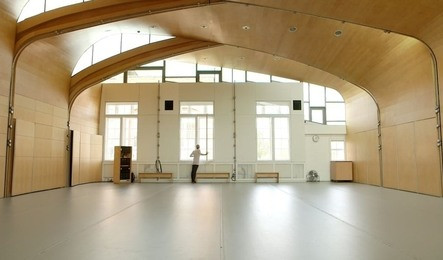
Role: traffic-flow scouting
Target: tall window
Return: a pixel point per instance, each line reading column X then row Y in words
column 196, row 127
column 121, row 127
column 273, row 131
column 337, row 150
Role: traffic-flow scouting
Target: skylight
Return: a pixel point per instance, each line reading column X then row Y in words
column 36, row 7
column 113, row 45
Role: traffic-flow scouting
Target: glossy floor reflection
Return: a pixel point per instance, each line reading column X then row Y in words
column 222, row 221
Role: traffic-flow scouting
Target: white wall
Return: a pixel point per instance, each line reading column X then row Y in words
column 318, row 153
column 222, row 94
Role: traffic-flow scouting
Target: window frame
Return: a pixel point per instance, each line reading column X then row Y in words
column 272, row 117
column 196, row 117
column 308, row 108
column 331, row 149
column 121, row 117
column 323, row 109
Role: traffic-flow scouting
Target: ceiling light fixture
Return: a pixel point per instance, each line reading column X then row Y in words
column 203, row 26
column 292, row 29
column 338, row 33
column 246, row 27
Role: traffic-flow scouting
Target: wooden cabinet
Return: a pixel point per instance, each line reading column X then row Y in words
column 341, row 171
column 122, row 163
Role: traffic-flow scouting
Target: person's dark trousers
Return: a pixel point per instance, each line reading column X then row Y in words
column 194, row 172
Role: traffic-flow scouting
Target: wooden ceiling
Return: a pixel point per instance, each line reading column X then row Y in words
column 375, row 40
column 403, row 16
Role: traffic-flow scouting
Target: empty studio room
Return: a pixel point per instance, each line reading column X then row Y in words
column 216, row 129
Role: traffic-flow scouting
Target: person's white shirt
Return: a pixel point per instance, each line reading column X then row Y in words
column 196, row 154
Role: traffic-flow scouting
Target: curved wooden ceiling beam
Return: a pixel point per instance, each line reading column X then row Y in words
column 85, row 15
column 129, row 59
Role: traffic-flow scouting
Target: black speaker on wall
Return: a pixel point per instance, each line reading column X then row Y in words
column 169, row 104
column 296, row 104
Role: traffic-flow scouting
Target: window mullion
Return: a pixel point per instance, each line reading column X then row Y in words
column 197, row 127
column 121, row 130
column 273, row 137
column 207, row 126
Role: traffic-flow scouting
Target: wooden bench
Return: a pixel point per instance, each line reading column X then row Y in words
column 267, row 175
column 212, row 175
column 154, row 175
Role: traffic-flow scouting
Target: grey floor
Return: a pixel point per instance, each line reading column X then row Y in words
column 222, row 221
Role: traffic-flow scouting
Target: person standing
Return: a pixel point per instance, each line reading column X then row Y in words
column 196, row 154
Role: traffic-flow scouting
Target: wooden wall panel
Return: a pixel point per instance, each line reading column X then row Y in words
column 42, row 89
column 87, row 158
column 7, row 41
column 22, row 178
column 406, row 167
column 351, row 143
column 362, row 149
column 429, row 178
column 42, row 77
column 88, row 146
column 389, row 154
column 85, row 170
column 42, row 141
column 75, row 158
column 85, row 112
column 373, row 158
column 97, row 156
column 410, row 157
column 42, row 147
column 361, row 163
column 2, row 177
column 361, row 126
column 41, row 174
column 361, row 113
column 61, row 166
column 355, row 148
column 24, row 157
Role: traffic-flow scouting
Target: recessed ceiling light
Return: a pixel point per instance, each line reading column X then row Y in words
column 246, row 27
column 203, row 26
column 338, row 33
column 292, row 29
